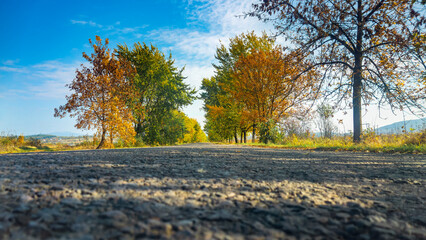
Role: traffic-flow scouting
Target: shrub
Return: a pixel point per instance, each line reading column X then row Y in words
column 416, row 138
column 35, row 142
column 21, row 140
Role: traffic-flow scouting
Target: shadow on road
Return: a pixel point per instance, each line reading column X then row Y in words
column 210, row 191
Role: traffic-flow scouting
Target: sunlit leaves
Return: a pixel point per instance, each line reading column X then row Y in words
column 366, row 49
column 268, row 84
column 158, row 88
column 99, row 95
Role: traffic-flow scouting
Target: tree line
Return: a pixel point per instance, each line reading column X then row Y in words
column 353, row 52
column 131, row 94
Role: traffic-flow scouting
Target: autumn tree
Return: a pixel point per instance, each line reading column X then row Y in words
column 158, row 88
column 225, row 116
column 99, row 96
column 360, row 46
column 193, row 132
column 268, row 85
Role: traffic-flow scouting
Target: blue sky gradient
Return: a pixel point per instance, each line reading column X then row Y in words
column 42, row 43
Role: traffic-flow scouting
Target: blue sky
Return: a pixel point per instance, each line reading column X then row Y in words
column 42, row 42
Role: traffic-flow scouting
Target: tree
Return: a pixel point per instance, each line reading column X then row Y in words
column 225, row 116
column 99, row 95
column 268, row 86
column 325, row 125
column 193, row 132
column 360, row 45
column 158, row 88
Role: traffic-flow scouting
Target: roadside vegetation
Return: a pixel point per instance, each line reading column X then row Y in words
column 179, row 129
column 340, row 54
column 387, row 143
column 19, row 144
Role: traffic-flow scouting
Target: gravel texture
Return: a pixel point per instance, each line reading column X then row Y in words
column 206, row 191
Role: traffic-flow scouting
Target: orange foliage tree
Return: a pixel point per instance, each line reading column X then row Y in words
column 269, row 85
column 225, row 117
column 100, row 93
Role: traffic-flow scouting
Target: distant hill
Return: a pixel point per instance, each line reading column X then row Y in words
column 394, row 128
column 66, row 134
column 55, row 134
column 41, row 136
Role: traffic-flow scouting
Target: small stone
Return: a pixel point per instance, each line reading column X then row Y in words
column 226, row 204
column 376, row 219
column 41, row 193
column 25, row 198
column 343, row 215
column 361, row 223
column 158, row 228
column 22, row 208
column 80, row 227
column 85, row 237
column 57, row 188
column 2, row 228
column 186, row 222
column 72, row 202
column 115, row 214
column 401, row 181
column 351, row 229
column 378, row 231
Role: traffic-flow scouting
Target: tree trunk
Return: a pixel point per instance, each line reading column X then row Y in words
column 138, row 129
column 357, row 82
column 102, row 142
column 241, row 136
column 245, row 136
column 356, row 102
column 235, row 136
column 254, row 133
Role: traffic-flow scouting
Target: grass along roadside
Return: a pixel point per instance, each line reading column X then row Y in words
column 403, row 143
column 19, row 144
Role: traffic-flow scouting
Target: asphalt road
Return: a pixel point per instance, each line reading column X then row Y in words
column 206, row 191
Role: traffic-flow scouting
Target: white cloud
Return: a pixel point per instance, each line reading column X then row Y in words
column 90, row 23
column 212, row 22
column 55, row 76
column 113, row 29
column 126, row 30
column 195, row 74
column 44, row 80
column 78, row 22
column 12, row 69
column 10, row 62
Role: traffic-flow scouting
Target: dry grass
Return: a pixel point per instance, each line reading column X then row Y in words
column 19, row 144
column 403, row 143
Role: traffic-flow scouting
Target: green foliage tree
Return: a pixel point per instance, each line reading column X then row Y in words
column 361, row 46
column 159, row 90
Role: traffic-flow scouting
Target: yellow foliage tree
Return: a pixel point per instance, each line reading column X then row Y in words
column 100, row 93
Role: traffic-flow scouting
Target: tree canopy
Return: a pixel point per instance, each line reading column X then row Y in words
column 224, row 115
column 366, row 49
column 99, row 96
column 159, row 89
column 128, row 93
column 255, row 83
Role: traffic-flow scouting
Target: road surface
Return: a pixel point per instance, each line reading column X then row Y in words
column 207, row 191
